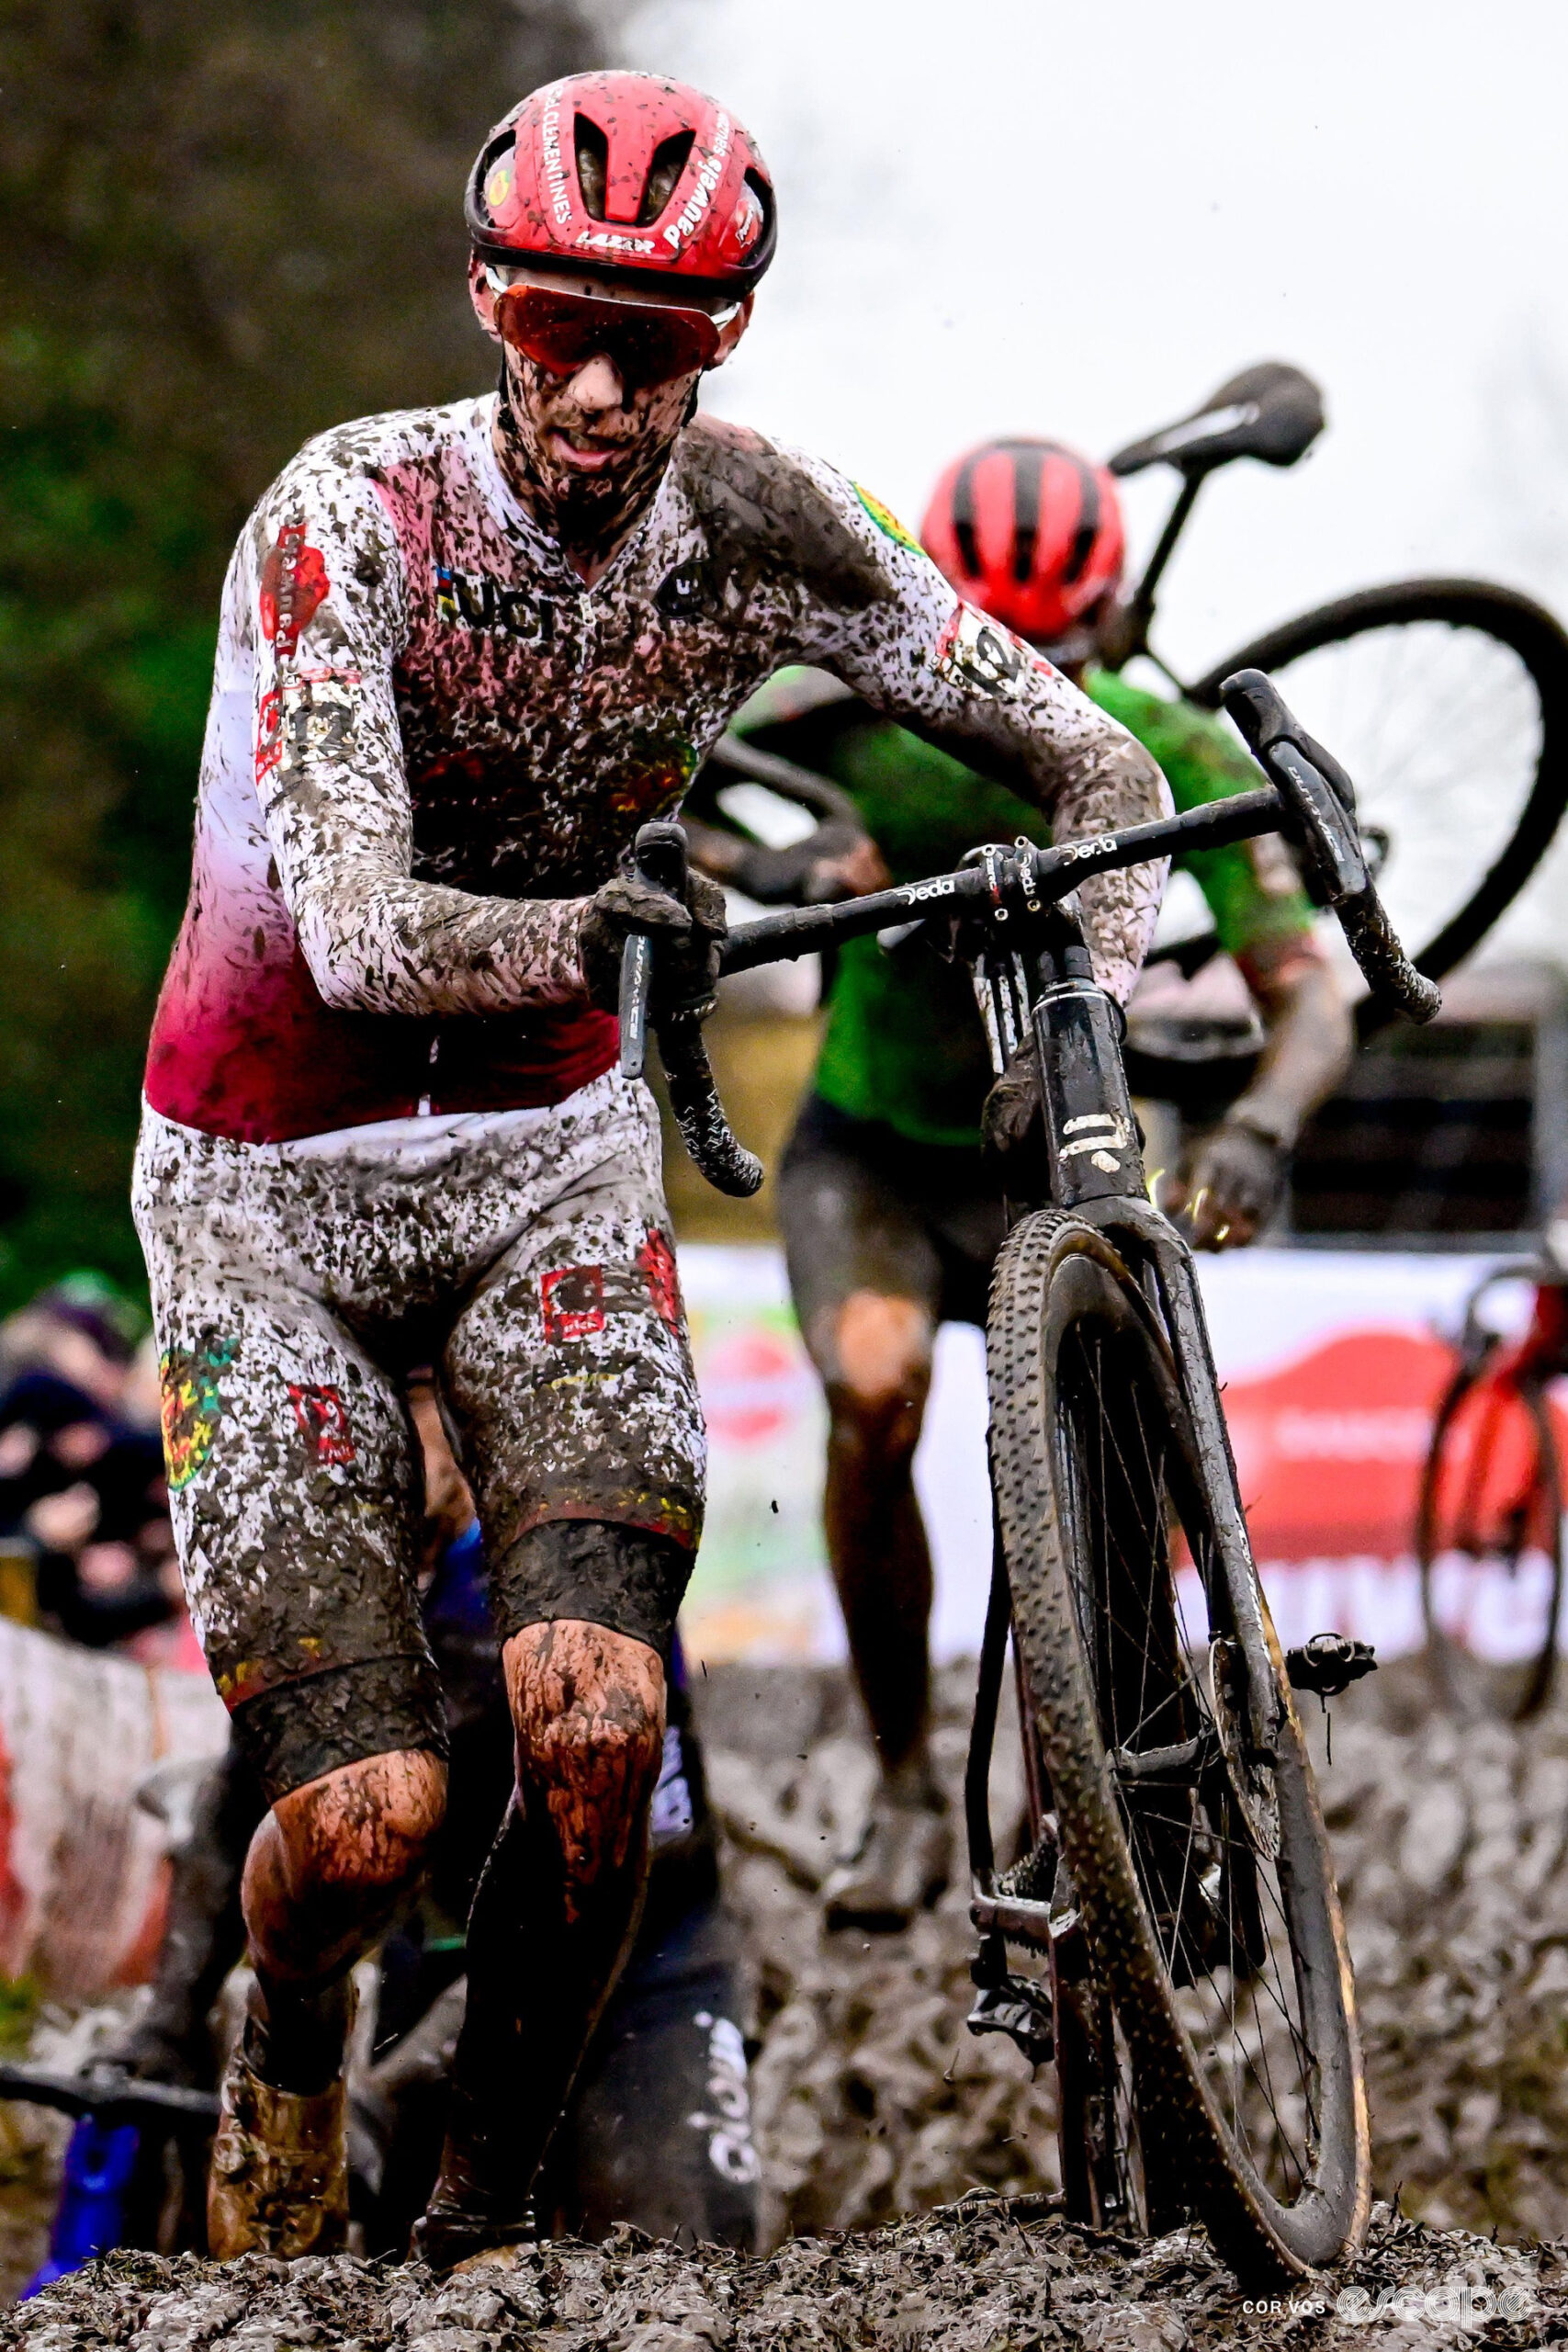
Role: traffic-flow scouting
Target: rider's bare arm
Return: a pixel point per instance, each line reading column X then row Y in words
column 325, row 596
column 911, row 648
column 1309, row 1036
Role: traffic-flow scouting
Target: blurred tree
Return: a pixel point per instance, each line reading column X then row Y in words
column 223, row 229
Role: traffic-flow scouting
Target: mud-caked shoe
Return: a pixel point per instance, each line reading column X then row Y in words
column 278, row 2180
column 452, row 2237
column 898, row 1867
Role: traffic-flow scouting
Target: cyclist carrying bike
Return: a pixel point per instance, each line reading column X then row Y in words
column 891, row 1213
column 464, row 653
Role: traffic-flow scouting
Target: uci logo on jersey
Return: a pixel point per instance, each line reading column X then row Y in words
column 685, row 592
column 474, row 600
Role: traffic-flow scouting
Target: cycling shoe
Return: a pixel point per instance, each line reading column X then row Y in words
column 899, row 1866
column 279, row 2181
column 448, row 2237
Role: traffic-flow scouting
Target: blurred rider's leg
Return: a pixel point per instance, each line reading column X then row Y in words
column 883, row 1241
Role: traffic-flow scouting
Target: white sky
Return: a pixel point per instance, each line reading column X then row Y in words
column 1028, row 217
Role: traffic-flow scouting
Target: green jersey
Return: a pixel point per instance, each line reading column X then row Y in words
column 904, row 1043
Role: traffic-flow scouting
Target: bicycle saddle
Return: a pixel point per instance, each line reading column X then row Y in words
column 1272, row 411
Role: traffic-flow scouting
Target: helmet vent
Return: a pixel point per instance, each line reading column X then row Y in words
column 593, row 164
column 1028, row 466
column 669, row 163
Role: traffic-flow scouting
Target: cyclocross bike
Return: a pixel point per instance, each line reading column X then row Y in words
column 1172, row 1931
column 1489, row 1522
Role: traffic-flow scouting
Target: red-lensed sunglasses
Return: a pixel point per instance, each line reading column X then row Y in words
column 646, row 343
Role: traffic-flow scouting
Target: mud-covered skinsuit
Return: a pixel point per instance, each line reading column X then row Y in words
column 384, row 1126
column 428, row 743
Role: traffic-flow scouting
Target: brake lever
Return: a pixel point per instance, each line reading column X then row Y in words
column 660, row 854
column 661, row 858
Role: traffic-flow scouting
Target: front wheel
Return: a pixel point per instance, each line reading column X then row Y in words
column 1199, row 1864
column 1447, row 700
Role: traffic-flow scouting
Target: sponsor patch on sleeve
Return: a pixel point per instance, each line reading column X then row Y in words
column 980, row 655
column 191, row 1406
column 886, row 520
column 294, row 585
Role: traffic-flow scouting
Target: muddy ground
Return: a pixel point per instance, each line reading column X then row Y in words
column 987, row 2280
column 872, row 2103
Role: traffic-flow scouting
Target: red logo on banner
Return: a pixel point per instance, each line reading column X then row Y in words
column 573, row 1301
column 1329, row 1449
column 323, row 1417
column 752, row 1385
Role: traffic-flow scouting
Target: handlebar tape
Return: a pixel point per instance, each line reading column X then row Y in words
column 660, row 854
column 1388, row 971
column 1319, row 801
column 705, row 1132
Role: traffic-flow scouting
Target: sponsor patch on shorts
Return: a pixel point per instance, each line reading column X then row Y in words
column 656, row 1261
column 572, row 1298
column 190, row 1405
column 323, row 1419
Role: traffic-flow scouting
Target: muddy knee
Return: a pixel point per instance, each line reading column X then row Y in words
column 879, row 1372
column 343, row 1848
column 589, row 1710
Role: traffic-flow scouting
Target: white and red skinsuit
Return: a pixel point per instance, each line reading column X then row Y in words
column 429, row 740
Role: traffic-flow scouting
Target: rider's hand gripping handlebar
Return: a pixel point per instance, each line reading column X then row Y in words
column 661, row 853
column 1320, row 804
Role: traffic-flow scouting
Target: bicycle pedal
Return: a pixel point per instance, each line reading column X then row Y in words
column 1018, row 2009
column 1328, row 1664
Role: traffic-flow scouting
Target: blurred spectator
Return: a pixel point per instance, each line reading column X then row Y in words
column 81, row 1480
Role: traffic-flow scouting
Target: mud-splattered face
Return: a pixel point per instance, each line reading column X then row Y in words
column 585, row 451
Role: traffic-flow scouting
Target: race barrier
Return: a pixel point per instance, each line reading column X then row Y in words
column 1333, row 1363
column 83, row 1868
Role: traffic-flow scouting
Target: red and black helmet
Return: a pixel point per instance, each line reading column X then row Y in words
column 1030, row 532
column 625, row 172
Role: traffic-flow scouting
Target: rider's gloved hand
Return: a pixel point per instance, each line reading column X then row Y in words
column 687, row 938
column 1231, row 1187
column 836, row 861
column 1012, row 1121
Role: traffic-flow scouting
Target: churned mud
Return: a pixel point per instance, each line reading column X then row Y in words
column 1451, row 1842
column 872, row 2103
column 985, row 2278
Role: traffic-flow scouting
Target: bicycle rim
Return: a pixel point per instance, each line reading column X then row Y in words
column 1448, row 701
column 1489, row 1541
column 1204, row 1883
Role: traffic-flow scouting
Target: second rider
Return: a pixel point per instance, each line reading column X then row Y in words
column 892, row 1213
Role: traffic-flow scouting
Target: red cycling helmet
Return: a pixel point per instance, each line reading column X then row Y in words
column 1030, row 532
column 624, row 173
